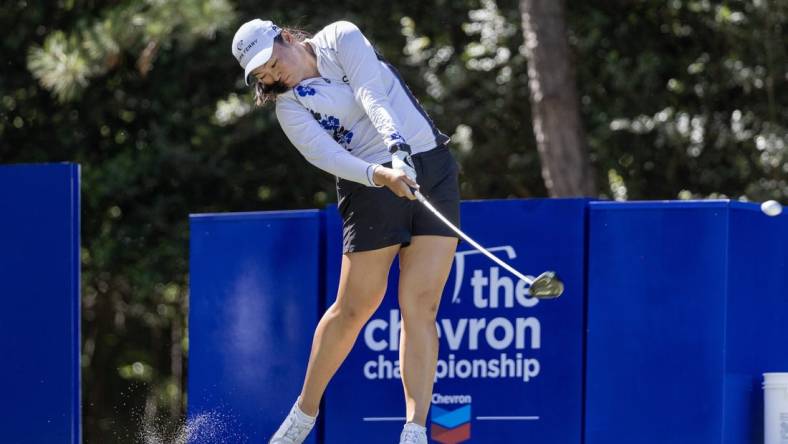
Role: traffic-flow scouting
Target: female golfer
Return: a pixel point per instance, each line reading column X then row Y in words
column 349, row 113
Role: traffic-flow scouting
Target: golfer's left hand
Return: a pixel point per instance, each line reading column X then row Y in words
column 397, row 181
column 401, row 160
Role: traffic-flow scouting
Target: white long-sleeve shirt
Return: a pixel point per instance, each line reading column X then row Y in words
column 344, row 121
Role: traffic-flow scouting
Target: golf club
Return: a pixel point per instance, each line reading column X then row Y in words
column 545, row 286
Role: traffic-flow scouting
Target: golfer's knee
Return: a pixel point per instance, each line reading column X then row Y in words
column 419, row 306
column 353, row 315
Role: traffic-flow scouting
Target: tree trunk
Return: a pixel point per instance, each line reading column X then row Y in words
column 560, row 138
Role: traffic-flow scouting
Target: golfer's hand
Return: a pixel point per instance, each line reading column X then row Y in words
column 401, row 160
column 397, row 181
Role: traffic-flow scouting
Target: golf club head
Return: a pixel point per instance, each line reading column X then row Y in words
column 547, row 286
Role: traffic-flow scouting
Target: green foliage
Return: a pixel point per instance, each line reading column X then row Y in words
column 684, row 98
column 66, row 63
column 477, row 86
column 681, row 98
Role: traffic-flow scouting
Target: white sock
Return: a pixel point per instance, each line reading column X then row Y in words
column 415, row 427
column 303, row 416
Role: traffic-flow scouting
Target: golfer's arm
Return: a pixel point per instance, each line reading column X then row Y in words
column 363, row 68
column 319, row 148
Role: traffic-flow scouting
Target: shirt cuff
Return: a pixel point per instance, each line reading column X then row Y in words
column 371, row 175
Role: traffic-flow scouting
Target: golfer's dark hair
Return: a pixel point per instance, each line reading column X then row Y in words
column 263, row 95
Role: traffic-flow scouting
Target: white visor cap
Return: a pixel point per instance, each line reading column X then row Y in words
column 253, row 44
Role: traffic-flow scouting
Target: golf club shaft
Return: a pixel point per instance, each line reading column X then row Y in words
column 465, row 237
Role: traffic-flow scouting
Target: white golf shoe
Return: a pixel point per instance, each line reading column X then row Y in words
column 413, row 434
column 295, row 428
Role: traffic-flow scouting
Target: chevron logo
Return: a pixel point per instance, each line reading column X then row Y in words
column 451, row 426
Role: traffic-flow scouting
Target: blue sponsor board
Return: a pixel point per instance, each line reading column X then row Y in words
column 254, row 293
column 39, row 287
column 756, row 331
column 510, row 366
column 686, row 309
column 686, row 304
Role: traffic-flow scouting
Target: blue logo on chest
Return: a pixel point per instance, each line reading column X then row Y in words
column 337, row 131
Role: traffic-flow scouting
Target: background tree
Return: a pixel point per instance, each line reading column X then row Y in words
column 680, row 97
column 560, row 137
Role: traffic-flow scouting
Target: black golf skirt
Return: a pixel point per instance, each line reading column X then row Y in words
column 375, row 218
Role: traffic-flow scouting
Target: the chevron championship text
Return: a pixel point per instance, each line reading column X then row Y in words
column 498, row 340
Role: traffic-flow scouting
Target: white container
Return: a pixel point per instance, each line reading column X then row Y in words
column 775, row 408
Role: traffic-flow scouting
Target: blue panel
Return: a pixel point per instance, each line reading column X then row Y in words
column 656, row 295
column 254, row 290
column 39, row 286
column 542, row 404
column 756, row 331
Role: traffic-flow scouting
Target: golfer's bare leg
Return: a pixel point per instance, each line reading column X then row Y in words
column 362, row 284
column 424, row 268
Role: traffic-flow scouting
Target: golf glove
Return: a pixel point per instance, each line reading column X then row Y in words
column 401, row 160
